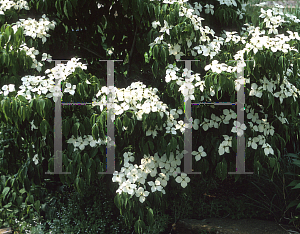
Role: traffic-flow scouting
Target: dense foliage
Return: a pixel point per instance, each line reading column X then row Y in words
column 148, row 36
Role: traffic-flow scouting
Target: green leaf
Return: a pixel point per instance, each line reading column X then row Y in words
column 119, row 125
column 173, row 143
column 221, row 169
column 150, row 216
column 19, row 200
column 75, row 129
column 272, row 162
column 30, row 198
column 163, row 54
column 44, row 127
column 297, row 186
column 140, row 6
column 164, row 8
column 15, row 106
column 37, row 205
column 93, row 119
column 294, row 183
column 117, row 201
column 7, row 205
column 6, row 108
column 157, row 11
column 69, row 8
column 5, row 192
column 40, row 107
column 168, row 151
column 139, row 226
column 155, row 68
column 81, row 129
column 23, row 99
column 21, row 110
column 293, row 203
column 87, row 126
column 58, row 6
column 145, row 147
column 65, row 9
column 155, row 52
column 151, row 145
column 66, row 128
column 126, row 121
column 95, row 132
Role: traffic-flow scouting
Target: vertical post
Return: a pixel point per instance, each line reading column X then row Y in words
column 241, row 154
column 188, row 136
column 57, row 130
column 110, row 149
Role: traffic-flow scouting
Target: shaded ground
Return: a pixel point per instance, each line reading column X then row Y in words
column 229, row 226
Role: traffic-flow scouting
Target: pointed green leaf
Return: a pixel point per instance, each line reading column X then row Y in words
column 66, row 128
column 75, row 129
column 44, row 127
column 37, row 205
column 163, row 54
column 5, row 192
column 119, row 125
column 65, row 9
column 95, row 132
column 150, row 216
column 40, row 107
column 126, row 121
column 151, row 145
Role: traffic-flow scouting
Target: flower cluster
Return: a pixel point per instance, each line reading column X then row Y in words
column 132, row 177
column 272, row 22
column 41, row 85
column 88, row 140
column 286, row 89
column 7, row 5
column 35, row 28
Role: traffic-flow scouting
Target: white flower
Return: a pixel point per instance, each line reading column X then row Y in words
column 129, row 187
column 8, row 88
column 239, row 128
column 33, row 126
column 141, row 194
column 155, row 186
column 268, row 149
column 199, row 154
column 35, row 159
column 196, row 124
column 209, row 8
column 183, row 180
column 118, row 177
column 166, row 28
column 155, row 24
